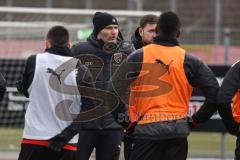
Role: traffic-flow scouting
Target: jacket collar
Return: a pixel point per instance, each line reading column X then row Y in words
column 166, row 41
column 137, row 39
column 59, row 50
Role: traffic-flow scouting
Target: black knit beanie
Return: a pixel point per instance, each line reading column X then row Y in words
column 101, row 20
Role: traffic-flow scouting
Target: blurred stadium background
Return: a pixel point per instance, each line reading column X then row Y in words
column 210, row 30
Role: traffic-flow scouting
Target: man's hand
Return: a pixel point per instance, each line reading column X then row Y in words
column 191, row 123
column 57, row 142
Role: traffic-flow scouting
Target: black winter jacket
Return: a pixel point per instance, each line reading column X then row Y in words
column 102, row 64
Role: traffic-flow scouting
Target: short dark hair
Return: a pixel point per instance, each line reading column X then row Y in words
column 58, row 36
column 148, row 19
column 168, row 23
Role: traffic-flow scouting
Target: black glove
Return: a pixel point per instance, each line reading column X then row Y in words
column 20, row 88
column 57, row 142
column 122, row 119
column 191, row 123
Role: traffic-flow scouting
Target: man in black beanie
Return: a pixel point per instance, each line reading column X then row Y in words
column 101, row 20
column 103, row 53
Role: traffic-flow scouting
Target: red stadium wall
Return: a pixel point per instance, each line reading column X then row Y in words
column 20, row 49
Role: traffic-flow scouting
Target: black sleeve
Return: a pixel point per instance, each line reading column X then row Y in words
column 80, row 48
column 200, row 76
column 229, row 87
column 3, row 85
column 27, row 76
column 121, row 80
column 85, row 78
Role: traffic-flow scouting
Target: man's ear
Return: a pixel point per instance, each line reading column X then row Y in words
column 48, row 44
column 140, row 31
column 69, row 44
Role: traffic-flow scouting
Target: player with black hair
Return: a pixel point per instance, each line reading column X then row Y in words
column 160, row 78
column 58, row 36
column 169, row 25
column 47, row 79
